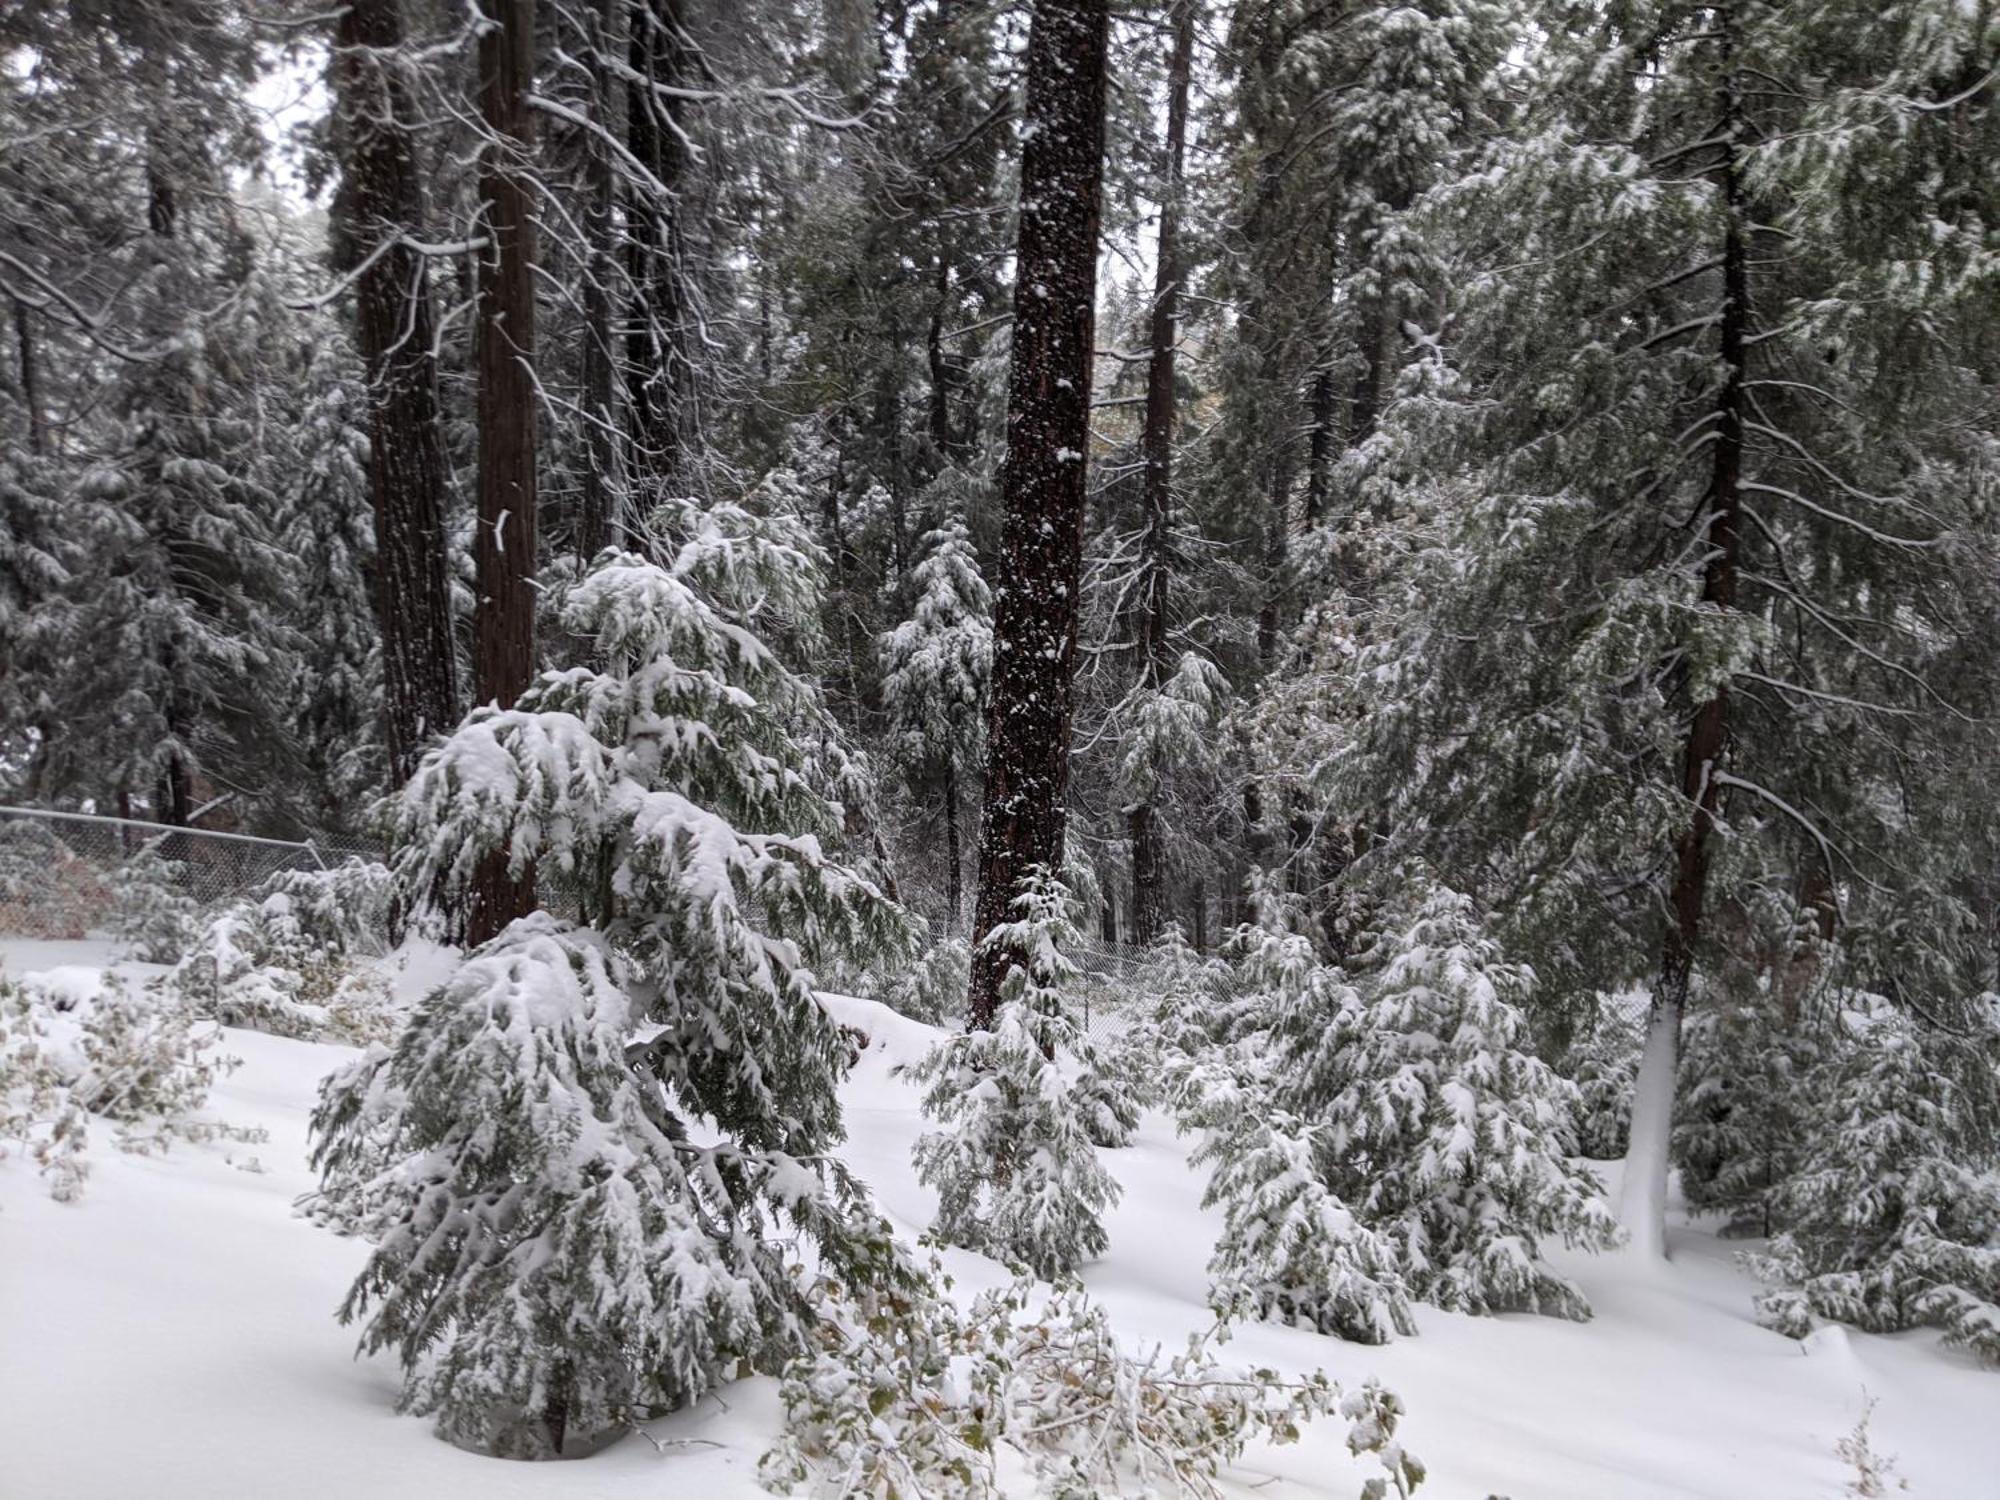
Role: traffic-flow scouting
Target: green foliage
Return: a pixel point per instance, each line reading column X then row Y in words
column 140, row 1061
column 151, row 909
column 908, row 1395
column 1015, row 1164
column 297, row 961
column 1891, row 1214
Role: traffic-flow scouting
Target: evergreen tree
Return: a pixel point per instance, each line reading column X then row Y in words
column 935, row 670
column 663, row 795
column 1015, row 1168
column 1406, row 1139
column 1892, row 1213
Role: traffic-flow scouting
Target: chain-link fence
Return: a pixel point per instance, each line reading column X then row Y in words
column 80, row 875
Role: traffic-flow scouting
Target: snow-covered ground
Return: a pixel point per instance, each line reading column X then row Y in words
column 170, row 1336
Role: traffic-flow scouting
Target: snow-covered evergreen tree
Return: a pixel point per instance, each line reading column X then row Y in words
column 1014, row 1166
column 1891, row 1215
column 1604, row 1065
column 935, row 669
column 675, row 1032
column 1407, row 1139
column 152, row 911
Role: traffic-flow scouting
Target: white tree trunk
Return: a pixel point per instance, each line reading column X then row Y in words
column 1643, row 1194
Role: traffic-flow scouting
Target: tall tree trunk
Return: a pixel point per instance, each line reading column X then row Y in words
column 954, row 874
column 656, row 357
column 31, row 380
column 380, row 202
column 1643, row 1208
column 1157, row 443
column 504, row 354
column 598, row 513
column 1319, row 454
column 1042, row 482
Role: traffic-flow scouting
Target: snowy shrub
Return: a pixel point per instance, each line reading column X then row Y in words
column 1891, row 1215
column 151, row 910
column 38, row 1113
column 545, row 1237
column 1290, row 1250
column 1743, row 1095
column 293, row 961
column 1015, row 1169
column 139, row 1060
column 590, row 1157
column 932, row 989
column 1604, row 1065
column 1405, row 1143
column 907, row 1395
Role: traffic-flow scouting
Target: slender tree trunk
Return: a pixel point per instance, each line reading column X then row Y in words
column 941, row 377
column 657, row 367
column 504, row 549
column 598, row 514
column 954, row 875
column 381, row 200
column 1319, row 455
column 1645, row 1184
column 1277, row 554
column 31, row 379
column 1043, row 476
column 1157, row 443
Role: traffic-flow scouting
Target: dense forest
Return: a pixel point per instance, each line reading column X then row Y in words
column 1458, row 541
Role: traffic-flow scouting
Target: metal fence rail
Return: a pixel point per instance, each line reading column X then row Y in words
column 76, row 875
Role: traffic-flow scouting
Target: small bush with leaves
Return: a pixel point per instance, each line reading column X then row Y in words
column 38, row 1112
column 139, row 1060
column 932, row 989
column 907, row 1395
column 289, row 962
column 151, row 910
column 1014, row 1166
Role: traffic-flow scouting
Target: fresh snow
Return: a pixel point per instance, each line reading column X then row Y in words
column 171, row 1335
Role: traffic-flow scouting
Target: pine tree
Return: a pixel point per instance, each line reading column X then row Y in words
column 1434, row 1142
column 935, row 670
column 1015, row 1169
column 664, row 796
column 1892, row 1213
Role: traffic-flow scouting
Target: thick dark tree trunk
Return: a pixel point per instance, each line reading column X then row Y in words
column 1042, row 480
column 380, row 202
column 504, row 354
column 1708, row 733
column 1157, row 443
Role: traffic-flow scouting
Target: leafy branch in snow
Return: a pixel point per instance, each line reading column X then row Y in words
column 293, row 961
column 139, row 1061
column 908, row 1395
